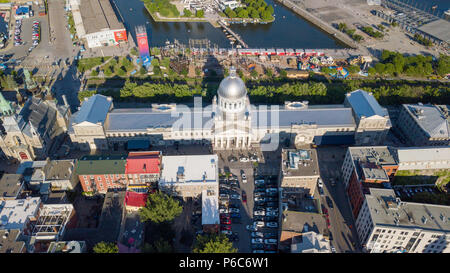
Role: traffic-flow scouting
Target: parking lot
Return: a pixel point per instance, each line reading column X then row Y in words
column 246, row 208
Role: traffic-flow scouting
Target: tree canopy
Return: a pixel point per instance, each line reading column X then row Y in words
column 105, row 247
column 160, row 207
column 213, row 243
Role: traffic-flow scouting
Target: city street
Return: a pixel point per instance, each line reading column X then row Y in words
column 330, row 163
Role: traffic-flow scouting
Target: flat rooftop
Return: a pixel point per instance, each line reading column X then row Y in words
column 375, row 174
column 14, row 213
column 297, row 221
column 373, row 154
column 59, row 169
column 299, row 162
column 388, row 210
column 189, row 169
column 439, row 29
column 210, row 208
column 98, row 15
column 10, row 185
column 9, row 241
column 414, row 154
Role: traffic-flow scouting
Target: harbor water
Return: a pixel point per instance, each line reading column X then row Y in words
column 287, row 31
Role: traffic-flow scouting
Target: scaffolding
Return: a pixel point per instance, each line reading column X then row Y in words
column 52, row 221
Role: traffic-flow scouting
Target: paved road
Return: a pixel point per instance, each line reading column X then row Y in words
column 330, row 163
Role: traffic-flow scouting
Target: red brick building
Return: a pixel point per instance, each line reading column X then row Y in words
column 97, row 174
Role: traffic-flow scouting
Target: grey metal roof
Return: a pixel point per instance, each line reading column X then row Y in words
column 93, row 110
column 232, row 87
column 323, row 117
column 364, row 104
column 439, row 29
column 430, row 119
column 142, row 118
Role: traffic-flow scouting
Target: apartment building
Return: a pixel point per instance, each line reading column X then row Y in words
column 425, row 124
column 189, row 175
column 97, row 174
column 366, row 167
column 387, row 224
column 299, row 171
column 143, row 170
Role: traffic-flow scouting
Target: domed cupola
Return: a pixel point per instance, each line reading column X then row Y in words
column 232, row 93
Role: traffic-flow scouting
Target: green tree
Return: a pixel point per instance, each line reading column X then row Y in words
column 160, row 246
column 200, row 13
column 94, row 73
column 142, row 71
column 213, row 243
column 160, row 207
column 443, row 65
column 254, row 74
column 353, row 69
column 283, row 73
column 187, row 13
column 104, row 247
column 134, row 52
column 243, row 14
column 269, row 72
column 127, row 89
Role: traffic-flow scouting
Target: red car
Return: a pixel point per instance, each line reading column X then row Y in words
column 324, row 210
column 244, row 197
column 225, row 216
column 328, row 222
column 225, row 227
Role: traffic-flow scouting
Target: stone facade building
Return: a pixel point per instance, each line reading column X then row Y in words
column 229, row 123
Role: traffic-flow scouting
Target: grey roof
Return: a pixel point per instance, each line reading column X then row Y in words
column 364, row 104
column 59, row 169
column 307, row 166
column 439, row 29
column 430, row 119
column 142, row 118
column 386, row 210
column 10, row 185
column 9, row 241
column 98, row 15
column 415, row 154
column 93, row 110
column 37, row 115
column 322, row 117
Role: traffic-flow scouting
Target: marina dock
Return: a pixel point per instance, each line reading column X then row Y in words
column 232, row 36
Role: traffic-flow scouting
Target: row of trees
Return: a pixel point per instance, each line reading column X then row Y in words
column 276, row 92
column 371, row 32
column 395, row 64
column 199, row 13
column 350, row 32
column 422, row 40
column 256, row 9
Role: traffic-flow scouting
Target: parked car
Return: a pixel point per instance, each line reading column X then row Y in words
column 272, row 205
column 271, row 218
column 226, row 232
column 257, row 234
column 235, row 196
column 329, row 202
column 271, row 190
column 233, row 210
column 225, row 227
column 259, row 224
column 259, row 182
column 272, row 213
column 258, row 218
column 225, row 221
column 260, row 199
column 235, row 215
column 258, row 246
column 270, row 247
column 258, row 251
column 232, row 159
column 272, row 224
column 259, row 194
column 270, row 235
column 257, row 240
column 259, row 212
column 251, row 228
column 243, row 159
column 244, row 197
column 321, row 191
column 223, row 211
column 271, row 241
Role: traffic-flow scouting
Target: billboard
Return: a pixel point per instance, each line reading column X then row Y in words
column 141, row 37
column 120, row 36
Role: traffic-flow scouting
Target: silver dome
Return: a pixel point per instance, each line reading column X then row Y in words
column 232, row 87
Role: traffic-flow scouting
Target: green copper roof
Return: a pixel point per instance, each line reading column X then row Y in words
column 102, row 164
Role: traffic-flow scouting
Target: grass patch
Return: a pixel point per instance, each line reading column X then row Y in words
column 88, row 63
column 416, row 177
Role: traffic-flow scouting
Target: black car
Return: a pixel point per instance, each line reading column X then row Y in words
column 272, row 199
column 260, row 190
column 258, row 218
column 272, row 194
column 270, row 235
column 271, row 218
column 321, row 191
column 259, row 203
column 232, row 205
column 270, row 247
column 272, row 204
column 257, row 246
column 232, row 159
column 255, row 208
column 329, row 202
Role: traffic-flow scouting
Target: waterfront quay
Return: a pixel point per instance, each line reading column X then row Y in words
column 319, row 23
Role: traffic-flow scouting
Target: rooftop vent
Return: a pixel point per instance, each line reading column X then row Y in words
column 424, row 220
